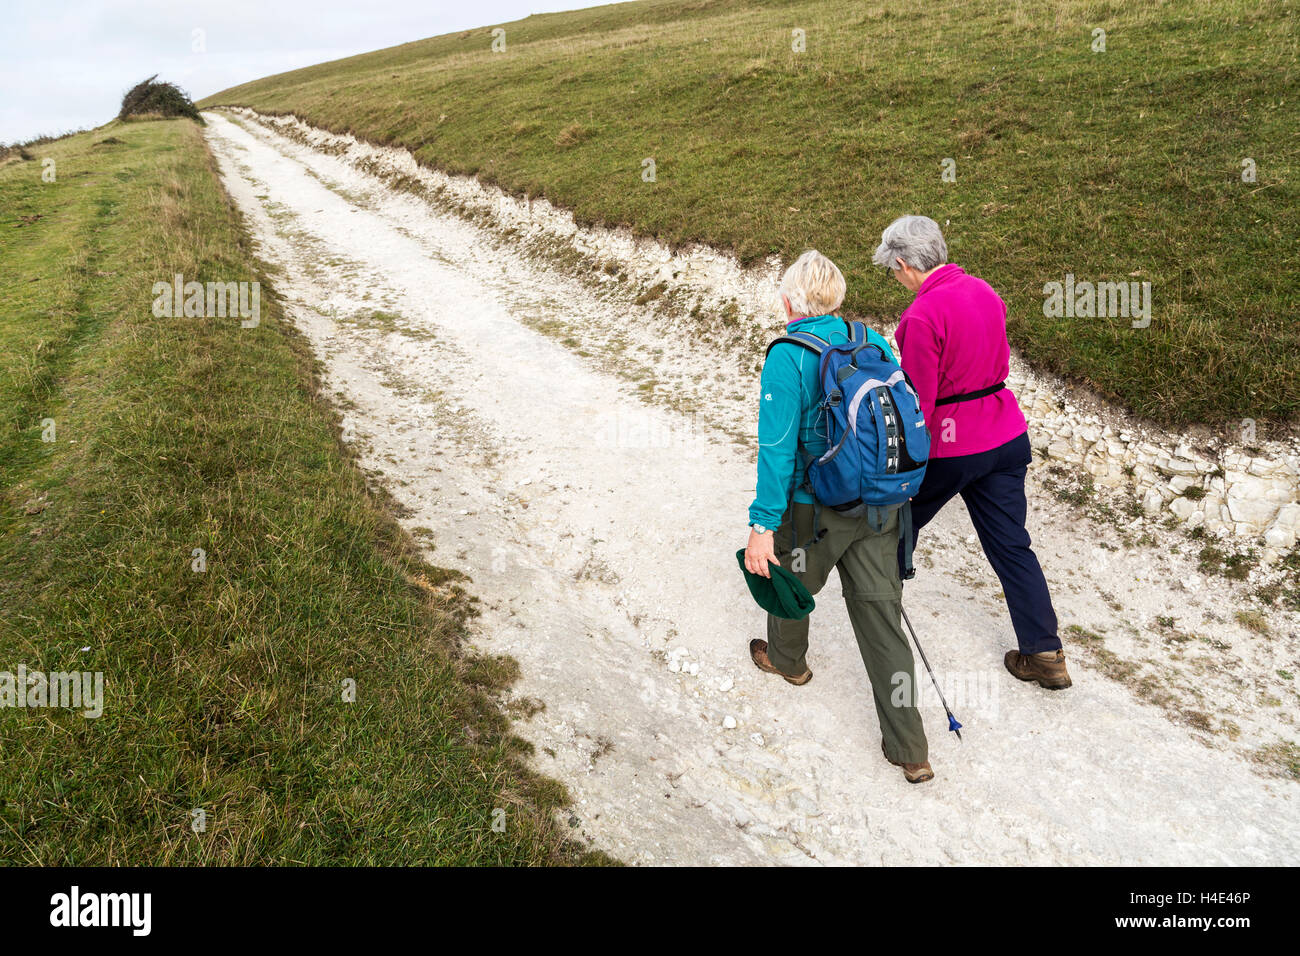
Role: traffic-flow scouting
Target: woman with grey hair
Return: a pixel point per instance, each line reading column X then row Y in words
column 952, row 341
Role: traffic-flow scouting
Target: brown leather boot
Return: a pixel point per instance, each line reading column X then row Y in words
column 914, row 772
column 1047, row 667
column 758, row 653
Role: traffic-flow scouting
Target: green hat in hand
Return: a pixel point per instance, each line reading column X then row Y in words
column 782, row 595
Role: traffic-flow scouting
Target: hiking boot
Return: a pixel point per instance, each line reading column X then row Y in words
column 1046, row 667
column 758, row 653
column 914, row 772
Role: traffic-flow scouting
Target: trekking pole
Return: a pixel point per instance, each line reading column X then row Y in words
column 952, row 721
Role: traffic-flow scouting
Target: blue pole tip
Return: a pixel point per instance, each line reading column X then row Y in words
column 953, row 725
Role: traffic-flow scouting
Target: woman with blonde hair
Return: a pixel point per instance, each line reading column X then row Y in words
column 861, row 548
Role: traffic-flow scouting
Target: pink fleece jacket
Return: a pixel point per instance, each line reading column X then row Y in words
column 952, row 339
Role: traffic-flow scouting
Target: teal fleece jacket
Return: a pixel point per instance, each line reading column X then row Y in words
column 787, row 415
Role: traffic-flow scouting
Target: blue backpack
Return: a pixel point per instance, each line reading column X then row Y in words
column 877, row 440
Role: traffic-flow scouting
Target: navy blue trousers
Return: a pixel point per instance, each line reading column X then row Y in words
column 992, row 484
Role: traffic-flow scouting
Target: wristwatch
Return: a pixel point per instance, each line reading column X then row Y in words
column 758, row 528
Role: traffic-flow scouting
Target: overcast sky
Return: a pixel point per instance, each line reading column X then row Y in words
column 64, row 64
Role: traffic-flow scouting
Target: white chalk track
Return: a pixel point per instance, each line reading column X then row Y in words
column 600, row 529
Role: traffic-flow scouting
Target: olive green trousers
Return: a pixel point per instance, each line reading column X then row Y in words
column 867, row 559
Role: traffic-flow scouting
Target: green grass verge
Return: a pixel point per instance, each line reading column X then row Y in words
column 1123, row 165
column 223, row 690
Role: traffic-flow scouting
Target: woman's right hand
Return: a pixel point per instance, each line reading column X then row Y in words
column 760, row 550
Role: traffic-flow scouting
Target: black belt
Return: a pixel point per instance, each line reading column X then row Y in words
column 967, row 396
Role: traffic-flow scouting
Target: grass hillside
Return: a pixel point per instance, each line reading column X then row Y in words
column 1122, row 165
column 129, row 440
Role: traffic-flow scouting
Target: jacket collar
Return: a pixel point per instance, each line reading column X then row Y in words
column 793, row 326
column 945, row 273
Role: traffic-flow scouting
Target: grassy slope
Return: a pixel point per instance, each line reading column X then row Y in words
column 1105, row 165
column 223, row 689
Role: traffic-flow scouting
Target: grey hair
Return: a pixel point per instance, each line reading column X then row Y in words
column 914, row 239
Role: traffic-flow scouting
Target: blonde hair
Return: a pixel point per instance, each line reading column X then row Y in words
column 813, row 285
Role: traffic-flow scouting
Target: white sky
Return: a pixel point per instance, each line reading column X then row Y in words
column 64, row 64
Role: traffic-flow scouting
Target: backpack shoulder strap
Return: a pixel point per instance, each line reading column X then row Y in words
column 817, row 345
column 807, row 340
column 862, row 339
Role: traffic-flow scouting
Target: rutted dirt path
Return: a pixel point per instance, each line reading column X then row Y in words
column 600, row 533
